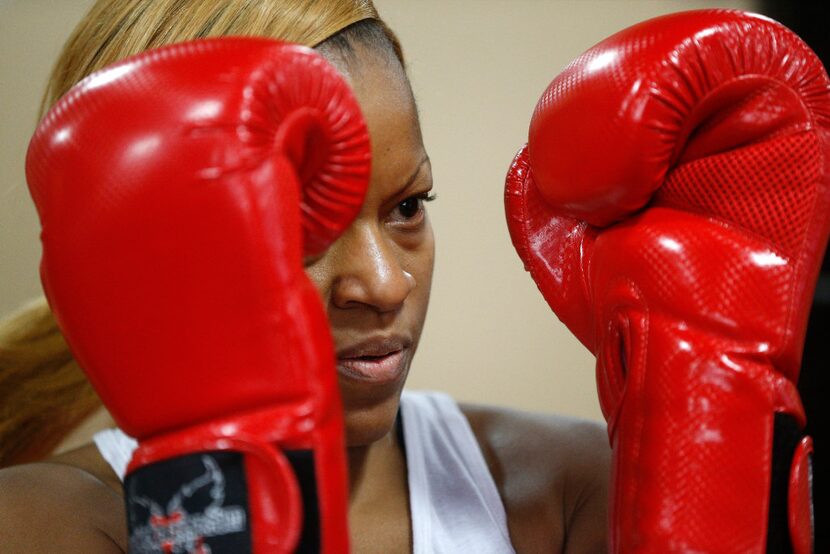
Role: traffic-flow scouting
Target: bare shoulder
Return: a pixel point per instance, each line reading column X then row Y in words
column 552, row 472
column 60, row 505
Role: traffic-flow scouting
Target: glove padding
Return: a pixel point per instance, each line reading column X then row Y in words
column 178, row 192
column 672, row 207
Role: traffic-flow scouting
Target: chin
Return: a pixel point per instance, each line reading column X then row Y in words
column 369, row 417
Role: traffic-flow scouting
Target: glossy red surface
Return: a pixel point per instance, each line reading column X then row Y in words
column 672, row 206
column 178, row 192
column 800, row 501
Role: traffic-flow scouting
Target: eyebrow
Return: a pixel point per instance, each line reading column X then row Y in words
column 411, row 179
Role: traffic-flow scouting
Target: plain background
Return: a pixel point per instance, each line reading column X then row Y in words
column 477, row 69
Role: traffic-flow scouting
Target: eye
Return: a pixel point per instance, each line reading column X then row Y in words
column 412, row 208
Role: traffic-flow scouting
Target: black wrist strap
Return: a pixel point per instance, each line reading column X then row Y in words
column 189, row 504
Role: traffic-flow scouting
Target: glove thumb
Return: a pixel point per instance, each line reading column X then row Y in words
column 555, row 249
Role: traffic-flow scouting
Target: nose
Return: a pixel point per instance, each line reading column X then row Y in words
column 371, row 273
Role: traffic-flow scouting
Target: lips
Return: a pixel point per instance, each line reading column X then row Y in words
column 376, row 360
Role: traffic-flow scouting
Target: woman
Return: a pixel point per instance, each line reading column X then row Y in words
column 536, row 483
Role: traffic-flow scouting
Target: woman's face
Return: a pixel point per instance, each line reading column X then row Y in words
column 375, row 279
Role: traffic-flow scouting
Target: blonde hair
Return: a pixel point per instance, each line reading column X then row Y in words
column 43, row 393
column 121, row 28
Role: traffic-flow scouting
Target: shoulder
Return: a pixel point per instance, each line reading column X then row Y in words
column 64, row 504
column 552, row 473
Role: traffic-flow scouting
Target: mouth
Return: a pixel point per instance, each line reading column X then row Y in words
column 376, row 361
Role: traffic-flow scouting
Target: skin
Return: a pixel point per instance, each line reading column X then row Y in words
column 551, row 472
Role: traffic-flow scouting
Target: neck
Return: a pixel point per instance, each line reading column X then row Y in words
column 376, row 467
column 379, row 514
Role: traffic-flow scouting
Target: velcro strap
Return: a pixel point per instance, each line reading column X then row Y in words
column 192, row 503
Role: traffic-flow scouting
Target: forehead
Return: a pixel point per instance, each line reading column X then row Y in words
column 385, row 97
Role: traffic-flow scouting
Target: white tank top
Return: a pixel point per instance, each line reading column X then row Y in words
column 453, row 499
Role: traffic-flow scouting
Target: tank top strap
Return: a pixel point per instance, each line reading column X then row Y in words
column 116, row 448
column 453, row 499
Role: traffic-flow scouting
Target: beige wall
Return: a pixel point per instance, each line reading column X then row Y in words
column 477, row 68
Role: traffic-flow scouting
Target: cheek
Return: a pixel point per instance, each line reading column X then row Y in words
column 317, row 273
column 421, row 262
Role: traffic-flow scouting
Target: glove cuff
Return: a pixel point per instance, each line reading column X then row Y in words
column 247, row 483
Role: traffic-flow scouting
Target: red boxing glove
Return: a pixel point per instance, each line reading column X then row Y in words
column 178, row 192
column 672, row 206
